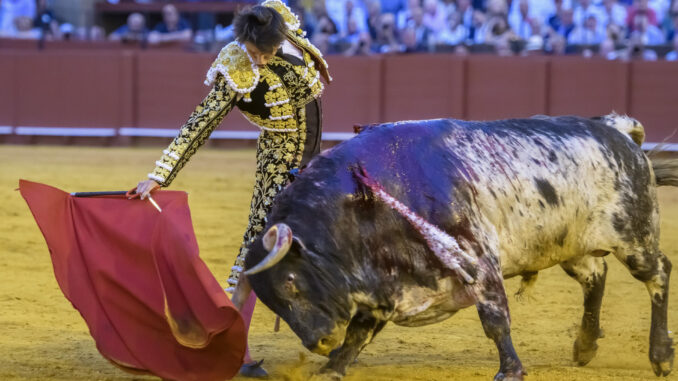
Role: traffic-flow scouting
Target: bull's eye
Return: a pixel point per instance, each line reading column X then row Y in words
column 290, row 286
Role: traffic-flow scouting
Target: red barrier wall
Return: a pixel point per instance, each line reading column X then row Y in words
column 587, row 87
column 79, row 89
column 354, row 96
column 499, row 87
column 137, row 88
column 7, row 90
column 423, row 87
column 654, row 95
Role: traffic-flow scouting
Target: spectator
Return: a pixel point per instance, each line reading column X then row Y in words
column 404, row 17
column 322, row 42
column 393, row 6
column 23, row 29
column 588, row 34
column 465, row 10
column 584, row 9
column 434, row 17
column 607, row 49
column 502, row 46
column 351, row 37
column 173, row 27
column 97, row 33
column 10, row 10
column 496, row 10
column 671, row 22
column 311, row 18
column 455, row 32
column 325, row 26
column 46, row 22
column 422, row 33
column 373, row 18
column 521, row 21
column 498, row 31
column 341, row 11
column 640, row 6
column 534, row 46
column 645, row 32
column 557, row 45
column 563, row 22
column 410, row 43
column 362, row 47
column 134, row 31
column 614, row 32
column 612, row 13
column 673, row 55
column 538, row 9
column 660, row 8
column 387, row 39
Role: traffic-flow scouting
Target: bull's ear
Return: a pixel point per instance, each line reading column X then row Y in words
column 300, row 246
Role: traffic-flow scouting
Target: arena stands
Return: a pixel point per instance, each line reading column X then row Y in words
column 615, row 29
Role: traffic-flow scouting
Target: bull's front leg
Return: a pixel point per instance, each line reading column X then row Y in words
column 360, row 329
column 494, row 315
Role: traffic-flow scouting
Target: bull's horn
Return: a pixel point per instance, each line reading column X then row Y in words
column 277, row 240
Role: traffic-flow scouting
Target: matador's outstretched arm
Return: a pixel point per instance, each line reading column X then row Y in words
column 205, row 119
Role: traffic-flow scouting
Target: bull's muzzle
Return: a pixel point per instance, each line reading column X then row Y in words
column 277, row 240
column 325, row 345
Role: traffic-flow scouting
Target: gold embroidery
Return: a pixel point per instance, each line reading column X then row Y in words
column 286, row 125
column 290, row 18
column 276, row 154
column 235, row 64
column 206, row 117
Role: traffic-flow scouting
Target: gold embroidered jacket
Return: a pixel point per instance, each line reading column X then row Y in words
column 270, row 97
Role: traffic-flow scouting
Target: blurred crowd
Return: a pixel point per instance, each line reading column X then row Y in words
column 613, row 29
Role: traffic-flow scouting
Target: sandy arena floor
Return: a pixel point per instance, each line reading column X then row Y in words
column 43, row 338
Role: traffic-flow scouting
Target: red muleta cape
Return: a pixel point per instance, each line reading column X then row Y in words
column 134, row 274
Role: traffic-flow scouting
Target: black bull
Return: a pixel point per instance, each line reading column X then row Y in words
column 472, row 203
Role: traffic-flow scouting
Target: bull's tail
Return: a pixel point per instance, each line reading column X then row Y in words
column 665, row 170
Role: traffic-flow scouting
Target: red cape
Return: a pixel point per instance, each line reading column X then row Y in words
column 150, row 302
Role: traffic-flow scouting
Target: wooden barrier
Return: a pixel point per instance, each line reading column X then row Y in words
column 78, row 89
column 588, row 87
column 501, row 87
column 135, row 89
column 7, row 90
column 354, row 96
column 653, row 96
column 423, row 87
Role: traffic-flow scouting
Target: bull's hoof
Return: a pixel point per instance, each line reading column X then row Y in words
column 512, row 376
column 663, row 367
column 661, row 358
column 327, row 375
column 583, row 354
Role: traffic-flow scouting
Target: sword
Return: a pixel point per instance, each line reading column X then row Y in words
column 113, row 193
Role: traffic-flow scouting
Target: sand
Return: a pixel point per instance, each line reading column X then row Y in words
column 43, row 338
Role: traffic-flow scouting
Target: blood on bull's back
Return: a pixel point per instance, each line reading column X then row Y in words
column 542, row 190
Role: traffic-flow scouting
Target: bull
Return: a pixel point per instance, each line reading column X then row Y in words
column 412, row 221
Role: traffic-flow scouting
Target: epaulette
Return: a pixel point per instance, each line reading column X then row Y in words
column 298, row 36
column 292, row 21
column 240, row 72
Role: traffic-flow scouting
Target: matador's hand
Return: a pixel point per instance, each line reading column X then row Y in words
column 144, row 188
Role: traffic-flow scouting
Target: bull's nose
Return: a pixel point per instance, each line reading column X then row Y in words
column 324, row 346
